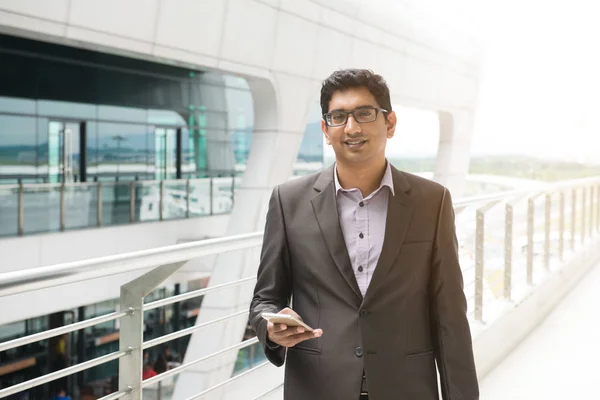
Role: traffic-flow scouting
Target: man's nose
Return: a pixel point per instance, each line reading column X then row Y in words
column 351, row 125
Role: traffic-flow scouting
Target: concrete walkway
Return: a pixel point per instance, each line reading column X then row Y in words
column 559, row 360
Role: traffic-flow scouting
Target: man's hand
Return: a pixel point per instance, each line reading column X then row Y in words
column 289, row 336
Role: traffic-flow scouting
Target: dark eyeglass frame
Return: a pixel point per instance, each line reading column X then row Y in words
column 327, row 116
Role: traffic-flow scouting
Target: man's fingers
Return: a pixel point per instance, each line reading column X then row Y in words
column 273, row 328
column 290, row 331
column 298, row 338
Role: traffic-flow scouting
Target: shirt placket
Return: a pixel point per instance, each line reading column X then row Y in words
column 362, row 248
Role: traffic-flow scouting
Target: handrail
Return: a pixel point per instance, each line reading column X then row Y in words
column 193, row 294
column 59, row 274
column 554, row 186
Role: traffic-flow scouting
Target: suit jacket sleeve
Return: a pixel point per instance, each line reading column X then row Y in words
column 273, row 286
column 452, row 336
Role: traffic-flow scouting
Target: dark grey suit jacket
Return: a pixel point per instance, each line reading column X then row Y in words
column 414, row 311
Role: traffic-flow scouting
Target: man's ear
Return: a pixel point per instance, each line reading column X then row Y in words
column 391, row 124
column 325, row 132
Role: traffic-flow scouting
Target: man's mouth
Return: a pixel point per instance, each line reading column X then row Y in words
column 355, row 143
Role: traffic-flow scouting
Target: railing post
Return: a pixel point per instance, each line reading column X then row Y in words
column 591, row 218
column 583, row 199
column 573, row 218
column 187, row 198
column 132, row 327
column 479, row 237
column 548, row 210
column 132, row 201
column 160, row 200
column 62, row 206
column 508, row 242
column 232, row 189
column 561, row 238
column 20, row 217
column 530, row 244
column 210, row 196
column 598, row 208
column 99, row 204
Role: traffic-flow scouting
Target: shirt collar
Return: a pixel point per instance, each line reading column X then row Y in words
column 386, row 181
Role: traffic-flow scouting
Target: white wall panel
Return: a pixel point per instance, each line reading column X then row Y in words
column 250, row 33
column 333, row 52
column 193, row 25
column 295, row 44
column 134, row 19
column 10, row 21
column 55, row 10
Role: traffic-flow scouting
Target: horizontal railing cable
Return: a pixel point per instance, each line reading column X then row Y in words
column 61, row 373
column 193, row 294
column 181, row 368
column 36, row 337
column 190, row 330
column 232, row 379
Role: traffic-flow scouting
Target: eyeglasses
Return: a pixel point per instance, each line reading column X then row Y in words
column 361, row 115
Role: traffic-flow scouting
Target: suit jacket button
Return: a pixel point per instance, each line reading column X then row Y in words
column 358, row 351
column 363, row 313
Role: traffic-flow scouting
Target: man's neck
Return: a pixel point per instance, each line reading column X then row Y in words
column 365, row 177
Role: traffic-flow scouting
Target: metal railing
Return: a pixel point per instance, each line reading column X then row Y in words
column 487, row 225
column 50, row 207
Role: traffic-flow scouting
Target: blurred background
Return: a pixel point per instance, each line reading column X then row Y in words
column 126, row 127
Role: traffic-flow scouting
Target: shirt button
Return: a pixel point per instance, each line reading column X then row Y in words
column 358, row 351
column 361, row 204
column 360, row 235
column 360, row 269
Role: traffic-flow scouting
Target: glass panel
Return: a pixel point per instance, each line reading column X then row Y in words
column 171, row 153
column 81, row 206
column 188, row 165
column 159, row 153
column 18, row 153
column 41, row 209
column 310, row 156
column 165, row 153
column 147, row 195
column 70, row 149
column 239, row 103
column 55, row 130
column 222, row 195
column 248, row 358
column 122, row 150
column 15, row 105
column 67, row 110
column 174, row 199
column 115, row 203
column 9, row 208
column 199, row 197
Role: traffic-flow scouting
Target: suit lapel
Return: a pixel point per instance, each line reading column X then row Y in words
column 325, row 208
column 399, row 214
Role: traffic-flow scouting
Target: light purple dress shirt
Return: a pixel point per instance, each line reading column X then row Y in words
column 363, row 225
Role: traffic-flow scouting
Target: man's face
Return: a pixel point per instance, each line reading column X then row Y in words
column 358, row 143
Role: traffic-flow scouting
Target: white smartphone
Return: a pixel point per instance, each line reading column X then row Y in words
column 289, row 320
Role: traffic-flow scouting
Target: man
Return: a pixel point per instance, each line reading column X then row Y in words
column 368, row 256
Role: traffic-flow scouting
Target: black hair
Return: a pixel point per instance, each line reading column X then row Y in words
column 352, row 78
